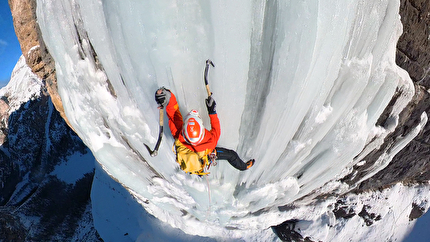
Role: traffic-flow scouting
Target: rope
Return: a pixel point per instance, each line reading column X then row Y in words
column 208, row 212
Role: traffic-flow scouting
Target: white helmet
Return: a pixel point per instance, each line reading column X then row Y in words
column 193, row 129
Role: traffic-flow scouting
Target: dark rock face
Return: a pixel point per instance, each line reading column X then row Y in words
column 11, row 227
column 343, row 210
column 417, row 211
column 410, row 165
column 413, row 47
column 34, row 204
column 414, row 44
column 287, row 232
column 33, row 140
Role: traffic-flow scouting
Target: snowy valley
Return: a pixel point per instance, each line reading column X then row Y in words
column 310, row 89
column 46, row 171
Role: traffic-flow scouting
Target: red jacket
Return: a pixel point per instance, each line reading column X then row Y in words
column 176, row 122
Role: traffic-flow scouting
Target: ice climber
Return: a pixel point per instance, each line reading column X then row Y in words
column 195, row 146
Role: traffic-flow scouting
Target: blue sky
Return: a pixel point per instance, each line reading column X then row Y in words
column 10, row 51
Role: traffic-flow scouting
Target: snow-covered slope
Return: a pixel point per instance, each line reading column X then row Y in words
column 23, row 87
column 385, row 215
column 299, row 85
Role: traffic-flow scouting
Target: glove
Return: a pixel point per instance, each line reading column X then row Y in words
column 211, row 105
column 162, row 96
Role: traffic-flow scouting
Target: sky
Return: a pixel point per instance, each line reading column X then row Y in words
column 10, row 50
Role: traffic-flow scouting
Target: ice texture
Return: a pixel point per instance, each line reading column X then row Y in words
column 299, row 87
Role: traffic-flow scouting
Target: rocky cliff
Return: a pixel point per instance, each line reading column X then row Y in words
column 410, row 165
column 33, row 47
column 39, row 199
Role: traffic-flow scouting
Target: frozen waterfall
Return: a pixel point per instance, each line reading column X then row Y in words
column 299, row 87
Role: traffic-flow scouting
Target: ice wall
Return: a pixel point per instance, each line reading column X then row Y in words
column 299, row 87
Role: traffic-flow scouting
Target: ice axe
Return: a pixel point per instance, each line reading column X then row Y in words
column 208, row 63
column 160, row 134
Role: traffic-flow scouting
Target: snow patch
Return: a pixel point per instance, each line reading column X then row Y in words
column 372, row 215
column 30, row 51
column 323, row 114
column 23, row 86
column 74, row 167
